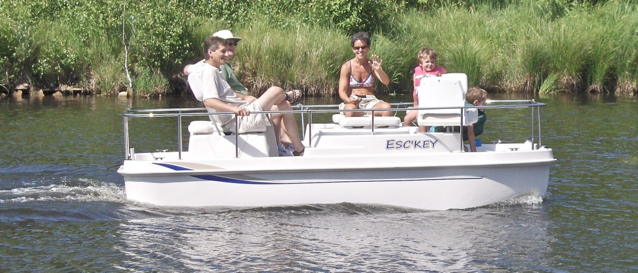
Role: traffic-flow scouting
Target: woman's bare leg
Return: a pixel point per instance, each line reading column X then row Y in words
column 352, row 106
column 383, row 105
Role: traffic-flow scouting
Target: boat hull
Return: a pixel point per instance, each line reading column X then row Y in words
column 431, row 183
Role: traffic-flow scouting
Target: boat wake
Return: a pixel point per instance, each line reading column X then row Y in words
column 525, row 200
column 82, row 190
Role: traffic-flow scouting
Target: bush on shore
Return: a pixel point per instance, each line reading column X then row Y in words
column 527, row 46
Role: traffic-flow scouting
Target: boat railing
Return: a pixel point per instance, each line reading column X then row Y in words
column 307, row 113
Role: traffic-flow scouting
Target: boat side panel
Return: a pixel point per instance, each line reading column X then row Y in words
column 433, row 189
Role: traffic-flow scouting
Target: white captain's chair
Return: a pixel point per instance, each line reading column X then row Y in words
column 447, row 90
column 208, row 141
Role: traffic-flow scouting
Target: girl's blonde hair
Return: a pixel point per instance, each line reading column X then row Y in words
column 426, row 53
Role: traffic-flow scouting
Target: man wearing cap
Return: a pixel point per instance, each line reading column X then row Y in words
column 227, row 70
column 285, row 143
column 286, row 127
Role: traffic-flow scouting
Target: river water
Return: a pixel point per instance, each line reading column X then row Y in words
column 63, row 209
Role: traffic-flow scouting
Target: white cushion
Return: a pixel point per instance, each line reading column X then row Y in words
column 366, row 121
column 201, row 127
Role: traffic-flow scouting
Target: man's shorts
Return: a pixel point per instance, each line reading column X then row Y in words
column 253, row 123
column 367, row 102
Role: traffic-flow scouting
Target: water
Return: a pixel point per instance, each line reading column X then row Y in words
column 62, row 207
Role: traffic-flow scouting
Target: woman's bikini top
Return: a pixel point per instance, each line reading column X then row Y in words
column 367, row 83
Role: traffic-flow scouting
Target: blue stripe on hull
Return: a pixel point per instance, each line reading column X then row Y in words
column 224, row 179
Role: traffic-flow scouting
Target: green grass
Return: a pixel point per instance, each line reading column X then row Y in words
column 517, row 48
column 524, row 46
column 298, row 57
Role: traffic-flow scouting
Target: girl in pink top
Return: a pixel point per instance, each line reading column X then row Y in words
column 427, row 68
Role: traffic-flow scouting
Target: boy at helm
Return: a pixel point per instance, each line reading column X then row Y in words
column 475, row 97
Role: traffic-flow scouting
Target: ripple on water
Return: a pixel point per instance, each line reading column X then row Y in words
column 81, row 200
column 83, row 190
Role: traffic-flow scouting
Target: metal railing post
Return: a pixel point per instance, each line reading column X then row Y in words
column 179, row 134
column 461, row 128
column 540, row 135
column 533, row 125
column 236, row 136
column 303, row 122
column 372, row 121
column 309, row 127
column 127, row 153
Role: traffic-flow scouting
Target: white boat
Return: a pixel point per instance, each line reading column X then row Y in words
column 369, row 160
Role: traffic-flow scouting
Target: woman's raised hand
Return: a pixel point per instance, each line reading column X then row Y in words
column 376, row 62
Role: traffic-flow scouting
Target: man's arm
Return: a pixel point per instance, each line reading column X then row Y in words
column 225, row 107
column 247, row 98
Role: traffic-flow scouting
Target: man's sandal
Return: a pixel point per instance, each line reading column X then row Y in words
column 293, row 96
column 300, row 153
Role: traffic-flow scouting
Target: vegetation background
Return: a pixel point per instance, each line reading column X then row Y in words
column 530, row 46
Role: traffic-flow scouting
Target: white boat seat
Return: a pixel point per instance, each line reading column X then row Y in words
column 365, row 121
column 201, row 127
column 207, row 140
column 448, row 90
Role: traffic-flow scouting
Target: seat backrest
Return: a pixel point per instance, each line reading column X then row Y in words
column 461, row 77
column 448, row 90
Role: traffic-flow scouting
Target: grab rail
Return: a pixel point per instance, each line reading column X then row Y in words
column 310, row 110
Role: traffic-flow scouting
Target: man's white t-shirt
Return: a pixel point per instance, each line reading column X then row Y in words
column 207, row 82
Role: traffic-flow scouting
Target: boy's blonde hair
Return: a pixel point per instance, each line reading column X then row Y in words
column 476, row 94
column 425, row 53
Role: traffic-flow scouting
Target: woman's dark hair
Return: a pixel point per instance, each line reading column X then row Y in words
column 360, row 36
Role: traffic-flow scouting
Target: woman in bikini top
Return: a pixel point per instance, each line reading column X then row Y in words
column 357, row 76
column 368, row 82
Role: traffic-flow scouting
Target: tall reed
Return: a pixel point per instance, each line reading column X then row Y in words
column 301, row 56
column 521, row 47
